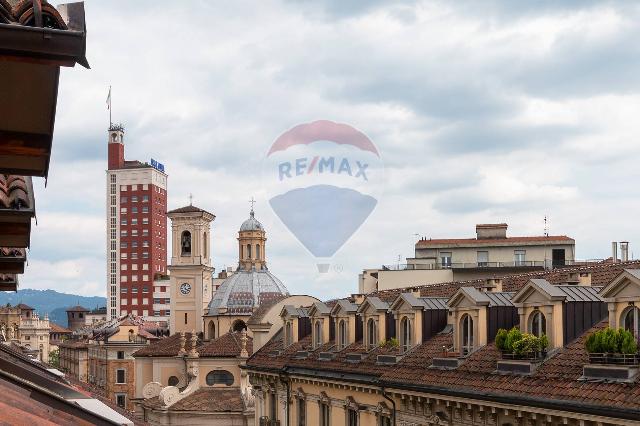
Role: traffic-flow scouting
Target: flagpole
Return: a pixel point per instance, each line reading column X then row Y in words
column 110, row 122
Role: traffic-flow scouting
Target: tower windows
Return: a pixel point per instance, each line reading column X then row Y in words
column 258, row 251
column 405, row 334
column 372, row 333
column 248, row 251
column 185, row 243
column 317, row 334
column 342, row 334
column 204, row 245
column 466, row 329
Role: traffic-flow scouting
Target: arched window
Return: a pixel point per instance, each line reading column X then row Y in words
column 212, row 330
column 219, row 377
column 131, row 336
column 342, row 334
column 631, row 320
column 405, row 334
column 173, row 381
column 185, row 243
column 372, row 333
column 257, row 251
column 288, row 338
column 317, row 334
column 239, row 325
column 466, row 329
column 538, row 324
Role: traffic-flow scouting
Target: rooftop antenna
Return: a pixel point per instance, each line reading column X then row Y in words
column 252, row 202
column 190, row 199
column 546, row 226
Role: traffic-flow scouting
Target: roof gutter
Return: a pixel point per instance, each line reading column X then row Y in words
column 559, row 405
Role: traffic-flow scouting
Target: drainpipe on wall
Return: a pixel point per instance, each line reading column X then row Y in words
column 393, row 403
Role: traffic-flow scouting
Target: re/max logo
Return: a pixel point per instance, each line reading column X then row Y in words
column 318, row 164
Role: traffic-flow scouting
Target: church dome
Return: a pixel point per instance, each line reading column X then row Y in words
column 244, row 290
column 251, row 224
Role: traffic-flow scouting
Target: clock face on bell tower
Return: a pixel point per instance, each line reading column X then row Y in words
column 185, row 288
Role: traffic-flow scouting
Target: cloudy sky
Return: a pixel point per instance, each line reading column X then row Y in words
column 481, row 111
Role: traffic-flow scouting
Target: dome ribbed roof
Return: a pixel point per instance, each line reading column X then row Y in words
column 251, row 224
column 244, row 290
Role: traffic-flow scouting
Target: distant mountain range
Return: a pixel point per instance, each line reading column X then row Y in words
column 51, row 302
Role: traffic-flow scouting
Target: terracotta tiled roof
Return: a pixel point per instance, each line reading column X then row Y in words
column 12, row 252
column 227, row 345
column 496, row 241
column 258, row 314
column 601, row 274
column 211, row 400
column 188, row 209
column 77, row 308
column 14, row 192
column 24, row 307
column 55, row 328
column 22, row 13
column 169, row 346
column 74, row 344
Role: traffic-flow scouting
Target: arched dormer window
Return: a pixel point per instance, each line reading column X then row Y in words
column 317, row 334
column 342, row 334
column 185, row 243
column 538, row 324
column 212, row 330
column 405, row 334
column 372, row 333
column 631, row 320
column 466, row 331
column 239, row 325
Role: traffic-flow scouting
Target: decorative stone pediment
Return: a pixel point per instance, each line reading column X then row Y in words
column 468, row 297
column 626, row 286
column 538, row 291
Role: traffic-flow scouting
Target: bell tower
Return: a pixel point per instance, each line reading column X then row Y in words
column 251, row 245
column 190, row 270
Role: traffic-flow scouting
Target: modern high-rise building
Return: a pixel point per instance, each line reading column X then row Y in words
column 136, row 229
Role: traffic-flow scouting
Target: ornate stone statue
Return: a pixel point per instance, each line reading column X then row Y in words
column 3, row 331
column 12, row 332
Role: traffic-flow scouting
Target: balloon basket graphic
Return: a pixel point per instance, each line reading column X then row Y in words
column 324, row 265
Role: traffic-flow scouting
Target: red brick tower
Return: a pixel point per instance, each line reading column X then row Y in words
column 136, row 229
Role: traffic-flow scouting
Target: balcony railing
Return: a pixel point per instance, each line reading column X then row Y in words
column 465, row 265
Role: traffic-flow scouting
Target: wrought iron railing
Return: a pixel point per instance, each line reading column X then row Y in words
column 615, row 359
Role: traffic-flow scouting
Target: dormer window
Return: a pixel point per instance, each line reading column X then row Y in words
column 342, row 334
column 631, row 320
column 405, row 334
column 372, row 333
column 288, row 335
column 466, row 327
column 538, row 324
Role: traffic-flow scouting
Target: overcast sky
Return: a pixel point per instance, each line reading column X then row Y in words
column 482, row 112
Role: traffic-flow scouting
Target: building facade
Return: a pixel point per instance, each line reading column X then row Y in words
column 490, row 253
column 74, row 359
column 136, row 205
column 428, row 355
column 22, row 326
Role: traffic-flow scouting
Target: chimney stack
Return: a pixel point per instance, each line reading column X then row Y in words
column 614, row 251
column 624, row 250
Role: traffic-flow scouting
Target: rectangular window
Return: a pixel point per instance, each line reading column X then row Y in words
column 167, row 313
column 302, row 412
column 145, row 198
column 134, row 244
column 483, row 258
column 145, row 187
column 113, row 190
column 121, row 400
column 145, row 266
column 123, row 255
column 123, row 279
column 134, row 278
column 134, row 199
column 157, row 300
column 352, row 417
column 113, row 200
column 123, row 267
column 113, row 178
column 325, row 420
column 134, row 301
column 113, row 234
column 145, row 255
column 113, row 211
column 113, row 256
column 123, row 245
column 145, row 289
column 123, row 200
column 113, row 222
column 123, row 221
column 145, row 301
column 145, row 209
column 134, row 232
column 123, row 187
column 134, row 255
column 519, row 257
column 123, row 290
column 167, row 300
column 134, row 267
column 120, row 354
column 445, row 259
column 145, row 243
column 145, row 232
column 145, row 278
column 134, row 290
column 123, row 210
column 123, row 233
column 145, row 220
column 385, row 420
column 134, row 210
column 134, row 221
column 156, row 313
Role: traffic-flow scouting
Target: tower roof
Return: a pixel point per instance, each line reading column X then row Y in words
column 251, row 224
column 189, row 209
